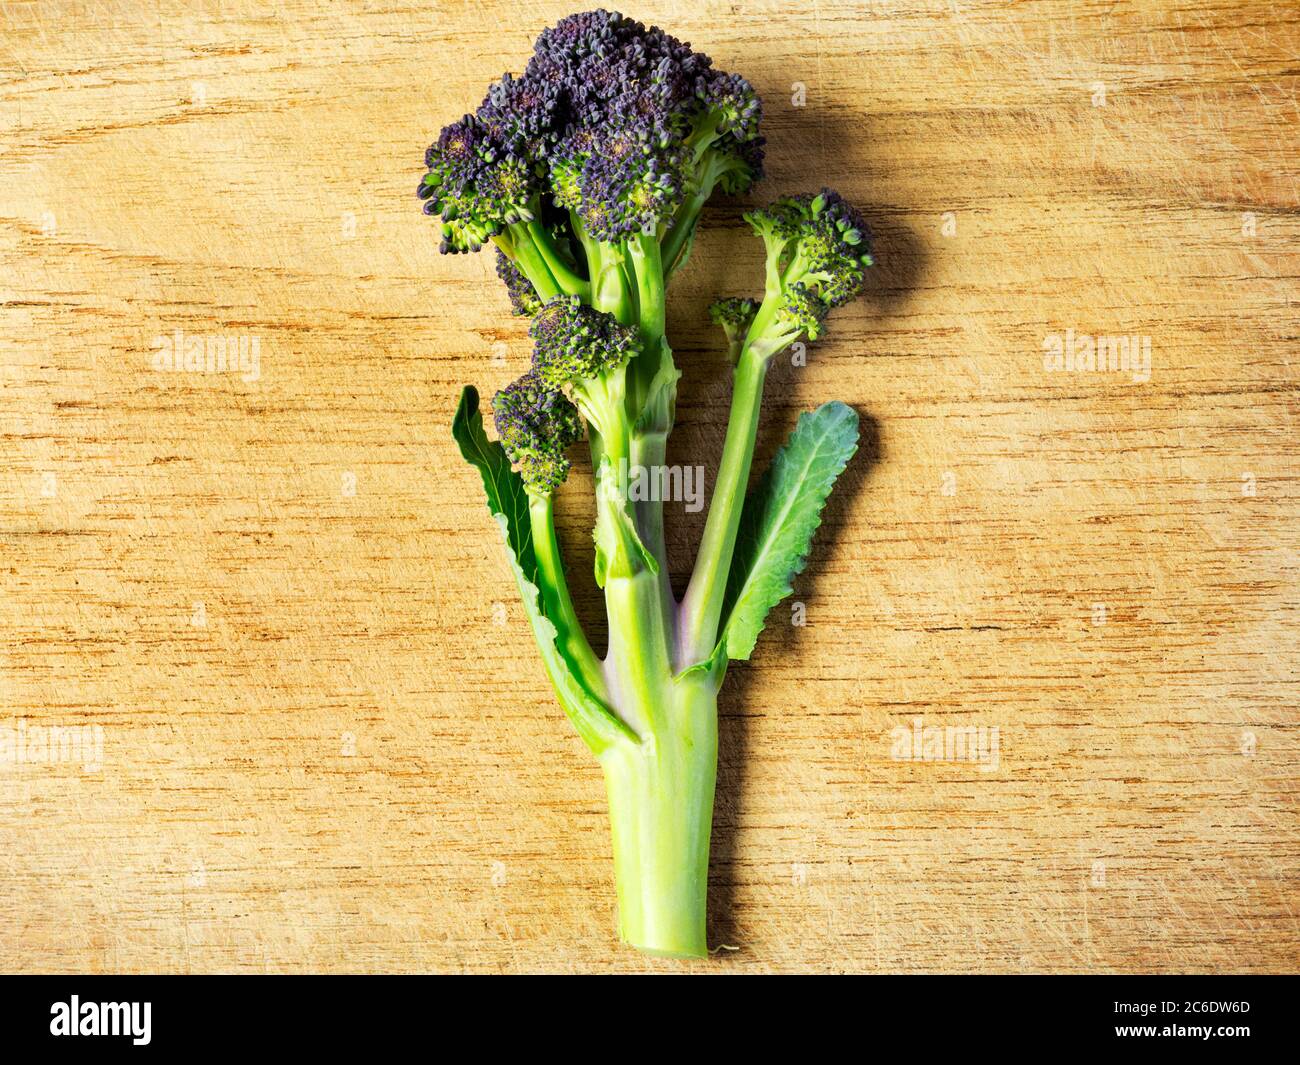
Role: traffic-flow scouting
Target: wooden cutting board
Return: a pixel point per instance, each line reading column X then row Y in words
column 303, row 725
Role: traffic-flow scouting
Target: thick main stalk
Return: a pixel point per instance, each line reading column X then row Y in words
column 661, row 817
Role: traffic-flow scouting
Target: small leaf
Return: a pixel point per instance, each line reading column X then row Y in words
column 660, row 407
column 507, row 498
column 508, row 501
column 620, row 552
column 778, row 522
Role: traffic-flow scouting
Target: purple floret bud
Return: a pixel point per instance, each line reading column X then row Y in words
column 536, row 424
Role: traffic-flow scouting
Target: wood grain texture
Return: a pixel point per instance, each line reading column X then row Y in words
column 354, row 762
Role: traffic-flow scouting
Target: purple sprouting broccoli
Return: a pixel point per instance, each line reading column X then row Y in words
column 588, row 173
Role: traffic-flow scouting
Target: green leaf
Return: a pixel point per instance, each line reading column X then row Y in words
column 660, row 407
column 507, row 500
column 778, row 522
column 620, row 551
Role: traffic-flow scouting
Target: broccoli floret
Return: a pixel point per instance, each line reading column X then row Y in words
column 626, row 126
column 536, row 425
column 820, row 240
column 802, row 311
column 584, row 350
column 576, row 343
column 477, row 188
column 818, row 249
column 734, row 315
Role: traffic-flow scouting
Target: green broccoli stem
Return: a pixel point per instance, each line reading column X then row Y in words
column 639, row 664
column 661, row 816
column 701, row 608
column 735, row 345
column 647, row 264
column 653, row 407
column 592, row 253
column 565, row 278
column 648, row 452
column 610, row 291
column 534, row 252
column 558, row 604
column 661, row 784
column 643, row 257
column 710, row 168
column 684, row 222
column 519, row 247
column 660, row 790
